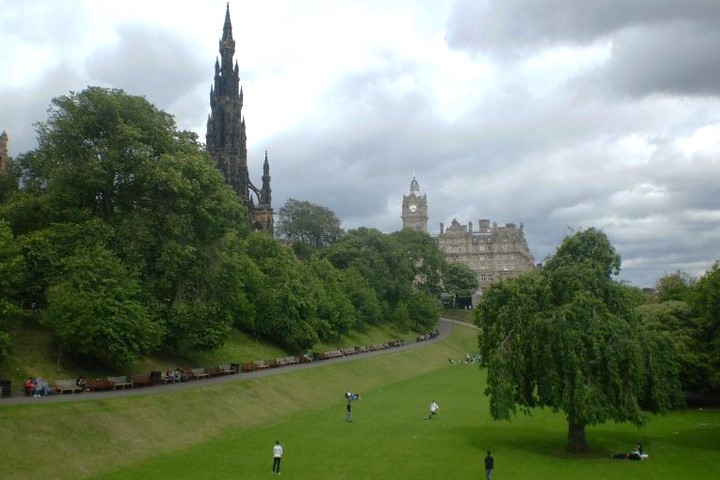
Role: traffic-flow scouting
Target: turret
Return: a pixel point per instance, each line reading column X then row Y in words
column 265, row 192
column 4, row 157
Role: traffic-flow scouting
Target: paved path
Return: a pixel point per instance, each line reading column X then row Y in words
column 445, row 327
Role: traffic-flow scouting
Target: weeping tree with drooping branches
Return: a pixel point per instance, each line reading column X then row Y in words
column 568, row 337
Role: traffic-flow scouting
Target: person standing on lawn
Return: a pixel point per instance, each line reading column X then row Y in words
column 489, row 466
column 277, row 456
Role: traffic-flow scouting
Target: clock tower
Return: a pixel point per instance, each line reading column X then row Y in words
column 414, row 209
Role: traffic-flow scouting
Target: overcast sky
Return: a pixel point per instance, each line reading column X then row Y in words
column 557, row 114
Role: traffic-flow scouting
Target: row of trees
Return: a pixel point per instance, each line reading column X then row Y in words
column 688, row 309
column 122, row 233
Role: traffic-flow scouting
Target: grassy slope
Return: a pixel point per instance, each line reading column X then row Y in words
column 76, row 440
column 389, row 439
column 227, row 431
column 34, row 354
column 460, row 315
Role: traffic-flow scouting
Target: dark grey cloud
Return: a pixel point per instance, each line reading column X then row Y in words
column 159, row 64
column 680, row 58
column 508, row 24
column 658, row 46
column 24, row 106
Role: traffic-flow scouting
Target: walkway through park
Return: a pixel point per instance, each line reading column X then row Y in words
column 445, row 327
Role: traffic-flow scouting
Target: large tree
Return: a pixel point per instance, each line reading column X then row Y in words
column 308, row 224
column 674, row 286
column 381, row 260
column 459, row 280
column 95, row 310
column 568, row 337
column 425, row 259
column 113, row 174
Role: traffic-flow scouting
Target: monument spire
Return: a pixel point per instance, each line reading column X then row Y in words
column 226, row 138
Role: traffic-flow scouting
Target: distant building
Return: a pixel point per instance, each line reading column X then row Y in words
column 415, row 209
column 4, row 156
column 493, row 253
column 226, row 140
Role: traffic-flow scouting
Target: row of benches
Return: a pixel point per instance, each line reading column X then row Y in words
column 276, row 362
column 155, row 378
column 139, row 380
column 337, row 353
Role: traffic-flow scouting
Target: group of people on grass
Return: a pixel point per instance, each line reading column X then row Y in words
column 469, row 359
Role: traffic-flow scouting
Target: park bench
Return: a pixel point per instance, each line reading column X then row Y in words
column 97, row 384
column 247, row 367
column 261, row 364
column 119, row 382
column 349, row 351
column 226, row 369
column 331, row 354
column 62, row 386
column 198, row 373
column 141, row 380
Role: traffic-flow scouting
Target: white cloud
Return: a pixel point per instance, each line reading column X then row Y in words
column 551, row 113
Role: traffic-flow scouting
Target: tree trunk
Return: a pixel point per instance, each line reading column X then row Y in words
column 576, row 438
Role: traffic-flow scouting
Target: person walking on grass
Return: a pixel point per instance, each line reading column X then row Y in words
column 489, row 466
column 348, row 416
column 277, row 456
column 433, row 410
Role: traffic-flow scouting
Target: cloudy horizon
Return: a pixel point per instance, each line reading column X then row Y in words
column 555, row 114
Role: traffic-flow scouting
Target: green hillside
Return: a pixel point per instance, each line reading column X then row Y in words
column 226, row 431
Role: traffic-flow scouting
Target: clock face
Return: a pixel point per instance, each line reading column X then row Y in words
column 412, row 207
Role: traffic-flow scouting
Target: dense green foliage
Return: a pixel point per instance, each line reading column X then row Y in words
column 398, row 275
column 568, row 337
column 705, row 303
column 123, row 237
column 688, row 311
column 11, row 272
column 308, row 224
column 460, row 281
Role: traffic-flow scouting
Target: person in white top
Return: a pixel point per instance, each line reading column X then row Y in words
column 277, row 456
column 433, row 410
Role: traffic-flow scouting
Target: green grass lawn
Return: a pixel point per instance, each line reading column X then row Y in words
column 227, row 432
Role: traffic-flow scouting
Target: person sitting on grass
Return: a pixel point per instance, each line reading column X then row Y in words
column 637, row 454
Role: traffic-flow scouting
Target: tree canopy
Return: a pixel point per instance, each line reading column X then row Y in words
column 300, row 221
column 459, row 280
column 112, row 177
column 568, row 337
column 122, row 232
